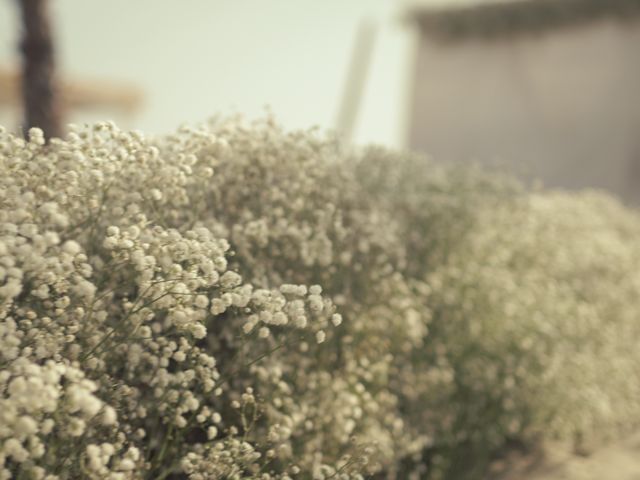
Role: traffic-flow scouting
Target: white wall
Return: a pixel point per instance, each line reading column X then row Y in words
column 562, row 106
column 195, row 58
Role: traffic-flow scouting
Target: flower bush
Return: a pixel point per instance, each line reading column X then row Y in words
column 238, row 301
column 533, row 301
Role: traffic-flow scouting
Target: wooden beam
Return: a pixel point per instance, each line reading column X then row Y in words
column 39, row 93
column 78, row 93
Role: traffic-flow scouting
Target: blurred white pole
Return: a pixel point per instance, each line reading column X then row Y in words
column 356, row 80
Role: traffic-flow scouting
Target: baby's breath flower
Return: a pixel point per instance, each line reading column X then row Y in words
column 201, row 301
column 132, row 278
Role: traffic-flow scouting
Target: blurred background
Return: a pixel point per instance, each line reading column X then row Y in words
column 545, row 88
column 170, row 62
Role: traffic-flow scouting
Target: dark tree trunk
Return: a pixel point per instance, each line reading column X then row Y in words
column 38, row 86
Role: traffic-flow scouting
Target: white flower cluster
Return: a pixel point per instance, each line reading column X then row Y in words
column 236, row 301
column 534, row 305
column 127, row 341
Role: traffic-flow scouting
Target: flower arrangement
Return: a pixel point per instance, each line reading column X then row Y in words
column 238, row 301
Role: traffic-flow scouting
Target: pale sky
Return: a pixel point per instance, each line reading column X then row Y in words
column 195, row 58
